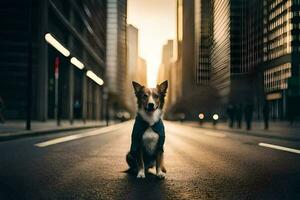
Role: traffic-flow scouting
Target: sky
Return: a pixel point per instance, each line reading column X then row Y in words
column 156, row 21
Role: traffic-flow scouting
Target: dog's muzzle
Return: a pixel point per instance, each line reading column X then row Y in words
column 151, row 107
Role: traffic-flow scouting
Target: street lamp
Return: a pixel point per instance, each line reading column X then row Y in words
column 215, row 119
column 94, row 77
column 201, row 118
column 77, row 63
column 57, row 45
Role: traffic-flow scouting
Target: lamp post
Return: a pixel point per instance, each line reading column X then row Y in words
column 215, row 119
column 56, row 76
column 29, row 69
column 201, row 118
column 105, row 98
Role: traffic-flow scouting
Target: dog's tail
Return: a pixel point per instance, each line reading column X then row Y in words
column 131, row 161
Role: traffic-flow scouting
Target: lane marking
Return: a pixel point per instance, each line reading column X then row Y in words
column 272, row 146
column 79, row 136
column 195, row 130
column 222, row 135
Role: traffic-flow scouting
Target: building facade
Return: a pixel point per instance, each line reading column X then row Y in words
column 166, row 68
column 190, row 71
column 281, row 57
column 132, row 66
column 28, row 62
column 203, row 31
column 229, row 75
column 116, row 57
column 141, row 72
column 244, row 52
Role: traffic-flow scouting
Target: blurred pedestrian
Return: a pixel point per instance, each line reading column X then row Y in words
column 182, row 117
column 291, row 114
column 248, row 115
column 231, row 112
column 1, row 110
column 77, row 109
column 239, row 115
column 266, row 113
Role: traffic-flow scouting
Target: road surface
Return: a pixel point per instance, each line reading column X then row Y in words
column 201, row 164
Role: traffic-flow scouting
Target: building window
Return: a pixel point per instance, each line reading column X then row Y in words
column 276, row 79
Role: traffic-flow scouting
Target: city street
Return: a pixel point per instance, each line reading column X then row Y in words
column 201, row 164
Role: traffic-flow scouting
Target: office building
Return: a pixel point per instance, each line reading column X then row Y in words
column 281, row 47
column 190, row 71
column 203, row 31
column 116, row 61
column 141, row 72
column 30, row 58
column 132, row 65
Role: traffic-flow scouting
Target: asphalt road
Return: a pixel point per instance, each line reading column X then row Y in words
column 201, row 164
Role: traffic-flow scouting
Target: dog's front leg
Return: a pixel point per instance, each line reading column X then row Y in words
column 160, row 169
column 141, row 167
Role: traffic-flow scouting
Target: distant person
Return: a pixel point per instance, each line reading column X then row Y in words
column 291, row 114
column 77, row 108
column 266, row 113
column 182, row 117
column 248, row 115
column 239, row 115
column 231, row 113
column 1, row 110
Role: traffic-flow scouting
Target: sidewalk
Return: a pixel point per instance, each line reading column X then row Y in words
column 16, row 129
column 277, row 130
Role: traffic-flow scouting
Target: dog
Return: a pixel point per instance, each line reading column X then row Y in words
column 148, row 135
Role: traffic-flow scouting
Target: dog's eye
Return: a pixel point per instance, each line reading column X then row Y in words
column 155, row 96
column 145, row 96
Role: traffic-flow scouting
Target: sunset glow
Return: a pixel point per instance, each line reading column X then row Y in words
column 155, row 20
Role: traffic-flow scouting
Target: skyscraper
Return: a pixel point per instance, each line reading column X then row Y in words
column 116, row 61
column 132, row 65
column 191, row 67
column 141, row 72
column 245, row 51
column 80, row 27
column 228, row 74
column 203, row 31
column 166, row 67
column 281, row 56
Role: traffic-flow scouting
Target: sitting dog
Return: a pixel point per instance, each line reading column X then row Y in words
column 148, row 135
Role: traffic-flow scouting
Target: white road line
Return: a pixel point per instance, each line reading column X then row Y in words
column 279, row 148
column 209, row 133
column 215, row 134
column 78, row 136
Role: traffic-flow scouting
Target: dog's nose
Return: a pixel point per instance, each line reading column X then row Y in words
column 150, row 105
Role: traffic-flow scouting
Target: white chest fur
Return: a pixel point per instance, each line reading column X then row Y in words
column 150, row 139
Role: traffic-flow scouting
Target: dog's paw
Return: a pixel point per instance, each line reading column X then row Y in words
column 161, row 175
column 141, row 174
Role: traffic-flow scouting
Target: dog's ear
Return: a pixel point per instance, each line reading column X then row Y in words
column 162, row 88
column 137, row 87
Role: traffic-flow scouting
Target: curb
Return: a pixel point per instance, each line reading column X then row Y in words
column 24, row 134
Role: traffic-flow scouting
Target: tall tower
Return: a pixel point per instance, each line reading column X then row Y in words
column 228, row 74
column 203, row 31
column 281, row 57
column 116, row 60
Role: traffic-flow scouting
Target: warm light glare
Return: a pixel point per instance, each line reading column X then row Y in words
column 154, row 30
column 215, row 117
column 51, row 40
column 77, row 63
column 94, row 77
column 201, row 116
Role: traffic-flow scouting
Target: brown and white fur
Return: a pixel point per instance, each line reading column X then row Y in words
column 150, row 104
